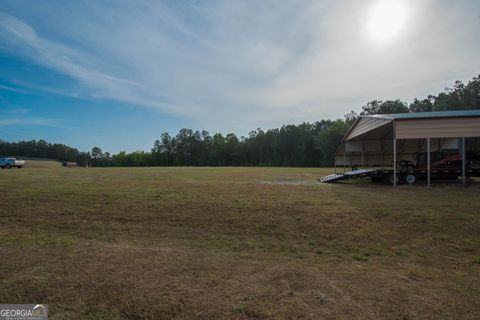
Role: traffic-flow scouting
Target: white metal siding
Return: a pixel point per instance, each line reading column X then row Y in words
column 366, row 146
column 373, row 160
column 437, row 128
column 365, row 125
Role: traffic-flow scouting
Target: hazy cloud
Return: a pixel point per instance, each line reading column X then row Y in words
column 29, row 121
column 20, row 111
column 238, row 64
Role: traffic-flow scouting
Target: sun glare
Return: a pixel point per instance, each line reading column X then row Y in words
column 387, row 19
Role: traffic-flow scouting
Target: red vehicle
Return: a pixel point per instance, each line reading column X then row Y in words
column 438, row 160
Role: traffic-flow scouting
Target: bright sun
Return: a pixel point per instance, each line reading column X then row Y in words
column 387, row 19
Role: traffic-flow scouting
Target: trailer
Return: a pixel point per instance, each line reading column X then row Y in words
column 402, row 176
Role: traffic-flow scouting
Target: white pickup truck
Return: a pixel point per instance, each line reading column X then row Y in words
column 11, row 163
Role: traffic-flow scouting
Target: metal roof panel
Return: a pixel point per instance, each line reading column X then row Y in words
column 433, row 114
column 365, row 125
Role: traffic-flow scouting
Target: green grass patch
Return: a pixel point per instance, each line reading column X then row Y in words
column 241, row 308
column 101, row 315
column 360, row 257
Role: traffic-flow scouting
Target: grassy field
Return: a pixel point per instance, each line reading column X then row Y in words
column 235, row 243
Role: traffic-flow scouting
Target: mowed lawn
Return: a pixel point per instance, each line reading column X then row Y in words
column 235, row 243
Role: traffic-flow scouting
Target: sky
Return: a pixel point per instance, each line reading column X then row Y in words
column 118, row 73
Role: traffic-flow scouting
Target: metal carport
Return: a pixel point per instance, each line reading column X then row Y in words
column 383, row 139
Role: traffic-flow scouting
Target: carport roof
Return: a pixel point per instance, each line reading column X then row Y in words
column 380, row 126
column 434, row 114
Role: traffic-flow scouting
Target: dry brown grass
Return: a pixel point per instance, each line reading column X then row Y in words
column 43, row 164
column 235, row 243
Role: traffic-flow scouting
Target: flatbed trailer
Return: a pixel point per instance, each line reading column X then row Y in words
column 407, row 176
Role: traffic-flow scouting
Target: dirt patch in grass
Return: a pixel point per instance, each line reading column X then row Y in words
column 287, row 181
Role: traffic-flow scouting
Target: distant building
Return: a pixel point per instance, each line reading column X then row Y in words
column 68, row 164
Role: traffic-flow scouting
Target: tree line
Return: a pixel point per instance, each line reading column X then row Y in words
column 303, row 145
column 43, row 149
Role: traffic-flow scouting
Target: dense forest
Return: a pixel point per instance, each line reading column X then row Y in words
column 306, row 144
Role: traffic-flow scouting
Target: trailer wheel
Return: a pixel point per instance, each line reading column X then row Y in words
column 410, row 178
column 389, row 179
column 9, row 166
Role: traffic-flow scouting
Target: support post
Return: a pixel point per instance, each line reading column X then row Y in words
column 428, row 162
column 344, row 159
column 394, row 162
column 382, row 151
column 363, row 157
column 464, row 178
